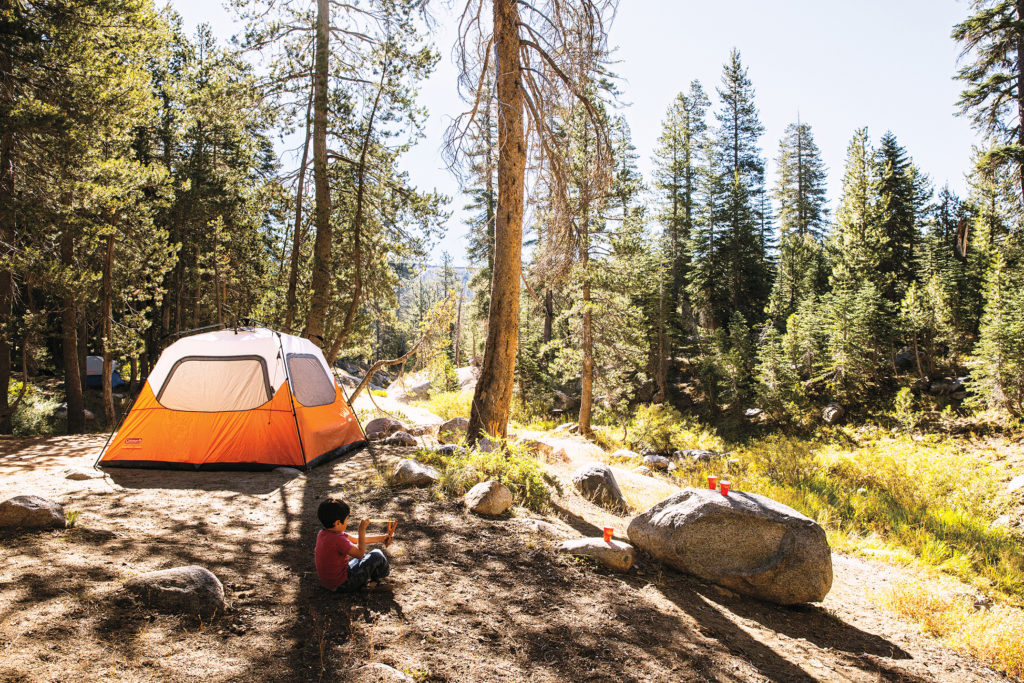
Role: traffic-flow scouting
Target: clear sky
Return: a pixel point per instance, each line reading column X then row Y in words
column 887, row 65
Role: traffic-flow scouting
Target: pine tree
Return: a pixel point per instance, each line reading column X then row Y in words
column 742, row 243
column 678, row 162
column 997, row 365
column 903, row 194
column 802, row 214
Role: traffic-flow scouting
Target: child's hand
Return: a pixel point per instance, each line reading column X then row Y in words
column 363, row 523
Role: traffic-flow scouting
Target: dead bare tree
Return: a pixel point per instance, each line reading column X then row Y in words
column 535, row 47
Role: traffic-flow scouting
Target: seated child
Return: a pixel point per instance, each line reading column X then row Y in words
column 334, row 547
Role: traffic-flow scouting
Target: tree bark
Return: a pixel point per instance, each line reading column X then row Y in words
column 293, row 268
column 321, row 277
column 6, row 238
column 549, row 314
column 493, row 394
column 1020, row 92
column 108, row 362
column 587, row 383
column 69, row 330
column 458, row 324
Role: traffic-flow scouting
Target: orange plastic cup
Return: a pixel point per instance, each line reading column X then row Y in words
column 712, row 482
column 725, row 487
column 608, row 534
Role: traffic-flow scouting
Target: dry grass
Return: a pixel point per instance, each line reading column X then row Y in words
column 991, row 634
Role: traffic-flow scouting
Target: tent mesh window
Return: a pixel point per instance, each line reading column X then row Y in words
column 204, row 384
column 310, row 384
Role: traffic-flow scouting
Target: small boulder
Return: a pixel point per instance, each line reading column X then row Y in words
column 1016, row 484
column 697, row 455
column 186, row 590
column 626, row 454
column 832, row 413
column 82, row 474
column 614, row 555
column 382, row 427
column 31, row 512
column 380, row 673
column 453, row 431
column 489, row 498
column 400, row 438
column 411, row 473
column 449, row 450
column 597, row 483
column 547, row 529
column 485, row 445
column 643, row 469
column 423, row 430
column 656, row 462
column 745, row 542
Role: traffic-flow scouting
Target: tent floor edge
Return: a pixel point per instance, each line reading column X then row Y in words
column 336, row 453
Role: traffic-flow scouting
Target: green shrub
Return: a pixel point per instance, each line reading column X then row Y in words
column 511, row 464
column 35, row 415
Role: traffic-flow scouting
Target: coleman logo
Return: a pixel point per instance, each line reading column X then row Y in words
column 135, row 442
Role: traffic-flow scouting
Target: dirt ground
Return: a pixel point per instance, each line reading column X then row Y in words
column 472, row 599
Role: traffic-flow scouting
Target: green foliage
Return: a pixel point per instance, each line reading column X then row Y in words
column 35, row 415
column 997, row 365
column 71, row 517
column 442, row 374
column 905, row 410
column 512, row 464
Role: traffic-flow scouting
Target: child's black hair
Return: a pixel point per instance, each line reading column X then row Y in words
column 332, row 510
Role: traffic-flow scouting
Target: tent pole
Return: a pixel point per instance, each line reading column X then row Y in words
column 291, row 399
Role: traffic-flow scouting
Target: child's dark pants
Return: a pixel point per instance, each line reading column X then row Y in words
column 372, row 566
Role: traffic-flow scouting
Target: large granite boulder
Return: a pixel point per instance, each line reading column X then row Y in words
column 381, row 428
column 31, row 512
column 411, row 473
column 186, row 590
column 656, row 462
column 745, row 542
column 597, row 483
column 453, row 431
column 614, row 555
column 489, row 498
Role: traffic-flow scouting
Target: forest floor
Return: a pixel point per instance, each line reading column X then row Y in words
column 473, row 599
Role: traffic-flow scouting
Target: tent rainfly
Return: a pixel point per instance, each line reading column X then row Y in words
column 236, row 399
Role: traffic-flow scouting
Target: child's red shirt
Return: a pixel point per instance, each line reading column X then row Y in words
column 331, row 556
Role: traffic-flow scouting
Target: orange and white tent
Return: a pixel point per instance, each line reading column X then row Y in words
column 245, row 398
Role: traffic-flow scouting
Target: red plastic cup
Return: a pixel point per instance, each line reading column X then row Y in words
column 725, row 487
column 712, row 482
column 608, row 534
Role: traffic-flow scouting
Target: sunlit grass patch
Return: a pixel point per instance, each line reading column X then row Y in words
column 991, row 634
column 511, row 464
column 448, row 404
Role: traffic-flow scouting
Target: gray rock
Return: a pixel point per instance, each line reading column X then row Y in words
column 643, row 469
column 752, row 413
column 485, row 445
column 614, row 555
column 1016, row 484
column 626, row 454
column 597, row 483
column 400, row 438
column 31, row 512
column 186, row 590
column 489, row 498
column 565, row 427
column 450, row 449
column 833, row 413
column 382, row 427
column 656, row 462
column 62, row 411
column 547, row 529
column 697, row 455
column 672, row 467
column 453, row 431
column 744, row 542
column 380, row 673
column 82, row 474
column 411, row 473
column 423, row 430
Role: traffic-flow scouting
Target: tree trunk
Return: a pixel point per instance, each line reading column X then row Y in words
column 493, row 394
column 587, row 383
column 549, row 314
column 69, row 329
column 321, row 277
column 1020, row 91
column 83, row 347
column 458, row 325
column 108, row 363
column 293, row 268
column 6, row 239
